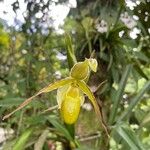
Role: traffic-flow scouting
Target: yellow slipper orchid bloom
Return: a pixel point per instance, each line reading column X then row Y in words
column 70, row 93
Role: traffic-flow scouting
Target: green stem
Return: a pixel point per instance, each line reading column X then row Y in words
column 71, row 129
column 89, row 42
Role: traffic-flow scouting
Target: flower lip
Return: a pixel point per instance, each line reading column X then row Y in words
column 70, row 109
column 73, row 91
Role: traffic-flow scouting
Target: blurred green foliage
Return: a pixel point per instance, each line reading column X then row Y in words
column 31, row 59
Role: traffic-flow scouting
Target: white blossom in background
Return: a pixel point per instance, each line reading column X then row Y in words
column 58, row 75
column 121, row 33
column 135, row 17
column 5, row 134
column 87, row 106
column 24, row 51
column 134, row 33
column 93, row 88
column 134, row 126
column 131, row 4
column 102, row 26
column 56, row 12
column 128, row 20
column 149, row 30
column 60, row 56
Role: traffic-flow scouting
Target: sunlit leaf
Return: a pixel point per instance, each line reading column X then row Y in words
column 22, row 140
column 146, row 120
column 70, row 51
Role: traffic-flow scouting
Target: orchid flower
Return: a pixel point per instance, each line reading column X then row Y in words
column 70, row 93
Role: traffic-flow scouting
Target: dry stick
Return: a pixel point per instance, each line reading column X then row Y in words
column 103, row 122
column 81, row 139
column 100, row 114
column 101, row 118
column 99, row 86
column 100, row 109
column 50, row 109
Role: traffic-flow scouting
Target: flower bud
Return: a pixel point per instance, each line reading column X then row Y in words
column 92, row 64
column 80, row 70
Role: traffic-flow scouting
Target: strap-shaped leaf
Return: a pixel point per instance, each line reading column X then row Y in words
column 22, row 140
column 70, row 51
column 119, row 95
column 129, row 136
column 135, row 101
column 49, row 88
column 91, row 97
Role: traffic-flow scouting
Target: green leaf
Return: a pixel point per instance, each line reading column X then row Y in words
column 119, row 94
column 70, row 51
column 143, row 1
column 22, row 140
column 110, row 62
column 129, row 136
column 146, row 120
column 142, row 56
column 135, row 101
column 36, row 120
column 60, row 127
column 140, row 71
column 87, row 23
column 11, row 101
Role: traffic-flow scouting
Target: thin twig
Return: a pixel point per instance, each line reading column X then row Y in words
column 88, row 137
column 50, row 109
column 99, row 86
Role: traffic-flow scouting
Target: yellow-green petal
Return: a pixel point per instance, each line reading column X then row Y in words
column 61, row 92
column 93, row 64
column 91, row 97
column 48, row 88
column 82, row 97
column 57, row 84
